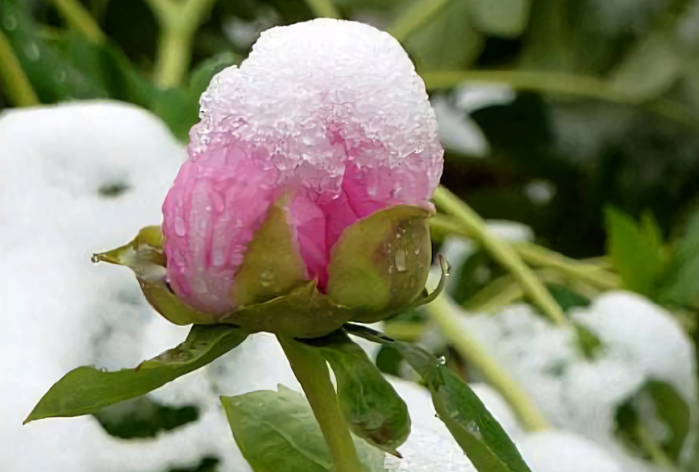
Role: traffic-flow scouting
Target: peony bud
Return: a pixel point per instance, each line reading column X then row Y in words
column 312, row 166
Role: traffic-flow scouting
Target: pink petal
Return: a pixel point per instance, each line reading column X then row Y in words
column 210, row 215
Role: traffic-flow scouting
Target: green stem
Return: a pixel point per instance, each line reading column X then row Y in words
column 415, row 16
column 80, row 19
column 539, row 256
column 594, row 275
column 559, row 83
column 323, row 8
column 312, row 373
column 172, row 59
column 656, row 453
column 448, row 322
column 501, row 251
column 178, row 22
column 18, row 89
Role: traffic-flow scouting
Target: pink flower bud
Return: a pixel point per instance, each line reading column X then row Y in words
column 327, row 115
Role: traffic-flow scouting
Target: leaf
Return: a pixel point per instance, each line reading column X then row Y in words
column 202, row 75
column 636, row 251
column 681, row 285
column 480, row 436
column 87, row 390
column 370, row 404
column 276, row 431
column 381, row 263
column 271, row 264
column 649, row 69
column 143, row 417
column 54, row 78
column 447, row 41
column 674, row 412
column 178, row 108
column 507, row 18
column 668, row 408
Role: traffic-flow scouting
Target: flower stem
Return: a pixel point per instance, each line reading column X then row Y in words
column 561, row 84
column 500, row 251
column 533, row 254
column 80, row 19
column 312, row 373
column 656, row 453
column 414, row 17
column 443, row 315
column 323, row 8
column 18, row 89
column 178, row 22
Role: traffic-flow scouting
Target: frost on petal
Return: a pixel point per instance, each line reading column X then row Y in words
column 337, row 108
column 210, row 215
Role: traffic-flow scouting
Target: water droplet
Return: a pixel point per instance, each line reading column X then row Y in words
column 10, row 23
column 218, row 258
column 442, row 360
column 400, row 260
column 473, row 428
column 31, row 50
column 266, row 278
column 180, row 229
column 95, row 259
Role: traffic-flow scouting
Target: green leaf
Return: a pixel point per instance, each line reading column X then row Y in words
column 381, row 263
column 480, row 436
column 178, row 108
column 670, row 410
column 636, row 250
column 143, row 417
column 681, row 285
column 507, row 18
column 276, row 431
column 673, row 412
column 53, row 77
column 447, row 41
column 202, row 75
column 370, row 404
column 271, row 264
column 650, row 68
column 87, row 390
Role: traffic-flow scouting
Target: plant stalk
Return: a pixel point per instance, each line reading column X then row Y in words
column 501, row 251
column 77, row 16
column 18, row 89
column 178, row 22
column 323, row 8
column 311, row 370
column 443, row 315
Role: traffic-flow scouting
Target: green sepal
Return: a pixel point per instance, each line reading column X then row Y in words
column 429, row 297
column 271, row 266
column 478, row 433
column 87, row 390
column 370, row 404
column 144, row 255
column 380, row 264
column 302, row 313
